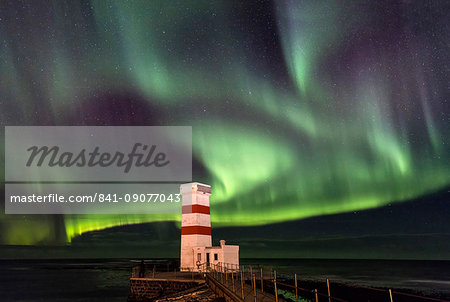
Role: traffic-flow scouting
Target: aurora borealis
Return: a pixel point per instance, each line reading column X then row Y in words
column 298, row 108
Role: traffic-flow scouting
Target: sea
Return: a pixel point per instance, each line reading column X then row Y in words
column 108, row 279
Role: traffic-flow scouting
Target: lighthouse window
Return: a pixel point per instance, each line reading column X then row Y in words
column 216, row 257
column 199, row 257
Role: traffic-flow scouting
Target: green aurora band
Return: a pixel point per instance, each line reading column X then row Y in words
column 274, row 150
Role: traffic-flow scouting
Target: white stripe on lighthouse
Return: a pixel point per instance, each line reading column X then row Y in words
column 195, row 219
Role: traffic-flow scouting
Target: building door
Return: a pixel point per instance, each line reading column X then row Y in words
column 207, row 259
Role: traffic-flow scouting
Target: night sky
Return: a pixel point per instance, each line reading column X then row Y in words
column 300, row 109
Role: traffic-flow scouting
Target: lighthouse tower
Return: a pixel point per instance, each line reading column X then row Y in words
column 196, row 243
column 195, row 224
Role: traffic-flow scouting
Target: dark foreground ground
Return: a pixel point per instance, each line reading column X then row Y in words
column 198, row 294
column 69, row 280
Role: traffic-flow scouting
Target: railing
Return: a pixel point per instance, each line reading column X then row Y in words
column 224, row 267
column 243, row 283
column 252, row 283
column 220, row 290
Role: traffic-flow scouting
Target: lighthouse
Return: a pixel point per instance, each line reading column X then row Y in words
column 196, row 241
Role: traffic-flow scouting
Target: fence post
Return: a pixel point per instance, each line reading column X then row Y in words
column 275, row 285
column 296, row 290
column 226, row 276
column 317, row 296
column 232, row 280
column 154, row 268
column 390, row 295
column 254, row 287
column 242, row 285
column 328, row 287
column 262, row 280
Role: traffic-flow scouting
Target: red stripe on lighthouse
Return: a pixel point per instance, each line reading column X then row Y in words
column 195, row 208
column 196, row 230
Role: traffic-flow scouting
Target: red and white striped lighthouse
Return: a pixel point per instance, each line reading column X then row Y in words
column 195, row 225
